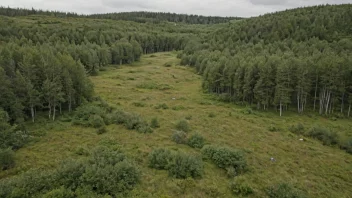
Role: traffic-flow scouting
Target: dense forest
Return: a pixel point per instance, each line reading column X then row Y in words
column 44, row 60
column 300, row 58
column 140, row 17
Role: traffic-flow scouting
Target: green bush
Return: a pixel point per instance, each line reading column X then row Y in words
column 178, row 108
column 59, row 193
column 7, row 159
column 284, row 190
column 184, row 166
column 211, row 115
column 85, row 113
column 196, row 141
column 101, row 130
column 154, row 123
column 96, row 121
column 297, row 129
column 273, row 128
column 139, row 104
column 133, row 121
column 168, row 64
column 240, row 187
column 160, row 159
column 326, row 136
column 225, row 157
column 189, row 117
column 347, row 145
column 179, row 137
column 162, row 106
column 183, row 125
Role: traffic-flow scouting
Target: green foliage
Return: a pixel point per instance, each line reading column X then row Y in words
column 284, row 190
column 326, row 136
column 160, row 159
column 105, row 172
column 297, row 129
column 168, row 64
column 139, row 104
column 189, row 117
column 162, row 106
column 7, row 160
column 240, row 187
column 273, row 128
column 154, row 123
column 96, row 121
column 211, row 115
column 225, row 157
column 101, row 130
column 182, row 125
column 179, row 137
column 196, row 141
column 178, row 108
column 347, row 145
column 184, row 166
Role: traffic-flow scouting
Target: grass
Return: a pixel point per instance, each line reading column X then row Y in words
column 321, row 171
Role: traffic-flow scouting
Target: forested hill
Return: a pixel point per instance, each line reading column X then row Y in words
column 140, row 17
column 299, row 58
column 157, row 17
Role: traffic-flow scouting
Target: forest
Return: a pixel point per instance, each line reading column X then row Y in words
column 144, row 104
column 298, row 59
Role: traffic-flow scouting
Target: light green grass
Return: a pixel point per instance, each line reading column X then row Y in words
column 322, row 171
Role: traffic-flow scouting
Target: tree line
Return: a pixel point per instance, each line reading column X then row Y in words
column 298, row 59
column 140, row 17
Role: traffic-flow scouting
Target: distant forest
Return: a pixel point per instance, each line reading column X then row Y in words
column 140, row 17
column 298, row 59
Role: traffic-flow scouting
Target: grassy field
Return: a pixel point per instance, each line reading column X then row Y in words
column 321, row 171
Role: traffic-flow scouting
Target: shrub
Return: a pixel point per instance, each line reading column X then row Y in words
column 96, row 121
column 196, row 141
column 118, row 117
column 183, row 125
column 160, row 159
column 273, row 128
column 85, row 113
column 133, row 121
column 326, row 136
column 101, row 130
column 347, row 145
column 81, row 151
column 240, row 187
column 225, row 157
column 211, row 115
column 189, row 117
column 162, row 106
column 7, row 160
column 59, row 193
column 177, row 108
column 284, row 190
column 154, row 123
column 168, row 64
column 297, row 129
column 139, row 104
column 179, row 137
column 184, row 166
column 144, row 128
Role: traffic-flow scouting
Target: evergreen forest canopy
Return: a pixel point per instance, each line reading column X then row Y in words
column 299, row 58
column 140, row 17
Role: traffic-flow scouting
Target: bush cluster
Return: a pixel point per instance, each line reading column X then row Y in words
column 179, row 165
column 179, row 137
column 284, row 190
column 183, row 125
column 326, row 136
column 98, row 116
column 106, row 172
column 6, row 159
column 196, row 141
column 240, row 187
column 226, row 158
column 297, row 129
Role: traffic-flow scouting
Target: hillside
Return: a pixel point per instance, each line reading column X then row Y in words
column 160, row 105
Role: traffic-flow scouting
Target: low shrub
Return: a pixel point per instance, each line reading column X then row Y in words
column 96, row 121
column 211, row 115
column 101, row 130
column 297, row 129
column 7, row 159
column 183, row 125
column 178, row 108
column 326, row 136
column 61, row 192
column 240, row 187
column 196, row 141
column 184, row 166
column 189, row 117
column 225, row 157
column 284, row 190
column 168, row 64
column 162, row 106
column 179, row 137
column 273, row 128
column 347, row 145
column 139, row 104
column 160, row 159
column 154, row 123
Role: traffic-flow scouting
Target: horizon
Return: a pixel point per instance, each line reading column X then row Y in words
column 241, row 8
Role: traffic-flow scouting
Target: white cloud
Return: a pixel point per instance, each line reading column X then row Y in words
column 244, row 8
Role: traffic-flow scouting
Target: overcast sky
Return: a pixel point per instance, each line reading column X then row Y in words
column 243, row 8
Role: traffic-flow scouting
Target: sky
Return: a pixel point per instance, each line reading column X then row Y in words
column 241, row 8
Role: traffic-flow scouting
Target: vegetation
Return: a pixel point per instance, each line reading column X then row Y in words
column 286, row 62
column 298, row 58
